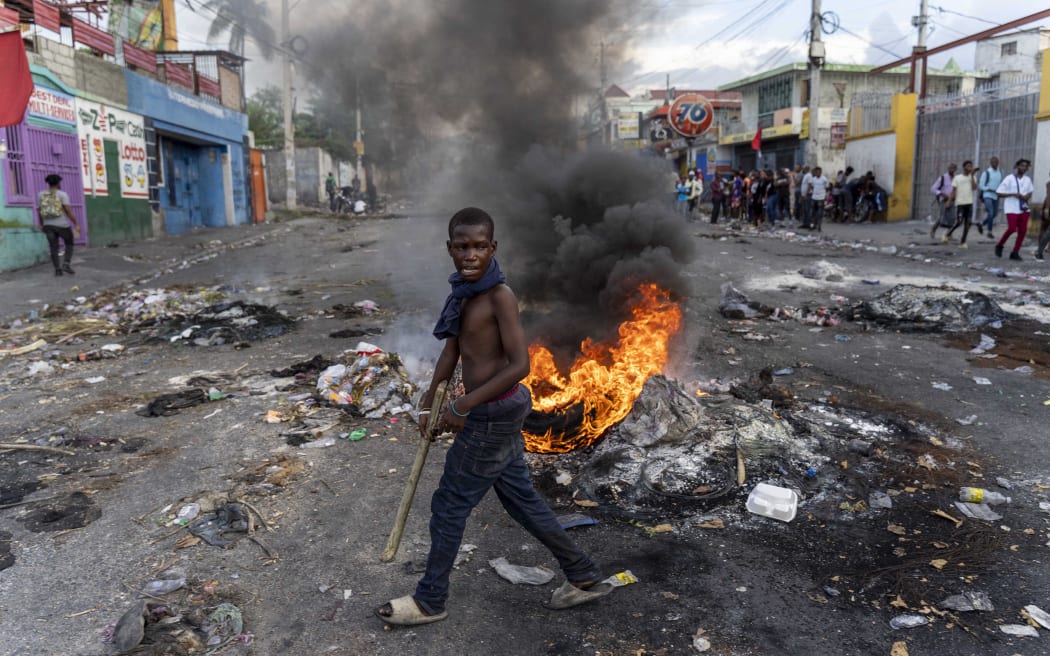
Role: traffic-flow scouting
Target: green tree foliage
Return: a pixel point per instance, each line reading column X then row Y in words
column 266, row 118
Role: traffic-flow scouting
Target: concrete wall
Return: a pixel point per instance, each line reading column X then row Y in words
column 55, row 57
column 1040, row 170
column 876, row 153
column 81, row 70
column 890, row 154
column 311, row 168
column 101, row 78
column 20, row 245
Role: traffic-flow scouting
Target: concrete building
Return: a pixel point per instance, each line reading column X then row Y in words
column 155, row 144
column 778, row 102
column 1018, row 54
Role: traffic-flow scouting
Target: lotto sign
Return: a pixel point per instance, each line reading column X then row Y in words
column 691, row 115
column 97, row 123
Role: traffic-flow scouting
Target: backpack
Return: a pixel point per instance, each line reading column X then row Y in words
column 51, row 206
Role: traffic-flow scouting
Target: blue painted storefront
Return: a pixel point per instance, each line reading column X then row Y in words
column 196, row 141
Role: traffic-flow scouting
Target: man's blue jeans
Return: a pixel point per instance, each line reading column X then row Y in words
column 488, row 453
column 991, row 208
column 771, row 210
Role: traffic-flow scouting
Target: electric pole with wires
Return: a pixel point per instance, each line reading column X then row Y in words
column 816, row 60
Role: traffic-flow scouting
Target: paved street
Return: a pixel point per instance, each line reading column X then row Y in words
column 828, row 582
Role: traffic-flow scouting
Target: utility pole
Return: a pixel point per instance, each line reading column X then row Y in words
column 358, row 144
column 918, row 73
column 289, row 124
column 816, row 60
column 601, row 97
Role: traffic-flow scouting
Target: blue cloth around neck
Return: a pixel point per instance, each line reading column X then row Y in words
column 448, row 324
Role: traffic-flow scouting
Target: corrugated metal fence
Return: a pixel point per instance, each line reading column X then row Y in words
column 994, row 120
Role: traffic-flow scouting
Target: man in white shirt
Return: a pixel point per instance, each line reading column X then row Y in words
column 962, row 195
column 818, row 193
column 1016, row 190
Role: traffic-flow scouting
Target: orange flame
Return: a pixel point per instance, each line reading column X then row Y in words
column 606, row 379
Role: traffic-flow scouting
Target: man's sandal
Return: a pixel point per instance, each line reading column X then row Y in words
column 404, row 611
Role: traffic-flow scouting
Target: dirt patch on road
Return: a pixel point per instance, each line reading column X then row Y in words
column 1017, row 344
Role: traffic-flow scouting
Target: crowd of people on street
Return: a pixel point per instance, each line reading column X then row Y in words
column 799, row 197
column 803, row 197
column 956, row 194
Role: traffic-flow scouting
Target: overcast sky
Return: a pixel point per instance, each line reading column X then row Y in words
column 707, row 43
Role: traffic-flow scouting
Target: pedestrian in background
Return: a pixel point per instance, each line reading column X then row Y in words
column 682, row 197
column 818, row 194
column 987, row 185
column 717, row 198
column 737, row 195
column 1016, row 189
column 963, row 186
column 329, row 188
column 696, row 190
column 1044, row 228
column 57, row 222
column 941, row 190
column 804, row 198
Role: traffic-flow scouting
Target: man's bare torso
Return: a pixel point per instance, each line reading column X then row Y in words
column 480, row 346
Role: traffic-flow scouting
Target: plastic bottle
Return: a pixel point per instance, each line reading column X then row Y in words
column 187, row 513
column 980, row 495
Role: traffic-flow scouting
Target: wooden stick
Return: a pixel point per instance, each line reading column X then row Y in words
column 413, row 478
column 24, row 349
column 35, row 447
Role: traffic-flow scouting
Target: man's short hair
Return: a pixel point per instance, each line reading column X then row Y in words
column 471, row 216
column 1018, row 162
column 53, row 179
column 970, row 162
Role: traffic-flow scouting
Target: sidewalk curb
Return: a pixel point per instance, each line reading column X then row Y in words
column 168, row 265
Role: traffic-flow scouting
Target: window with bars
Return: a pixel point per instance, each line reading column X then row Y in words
column 1008, row 48
column 16, row 167
column 774, row 95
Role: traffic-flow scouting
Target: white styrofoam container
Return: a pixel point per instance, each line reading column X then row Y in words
column 772, row 501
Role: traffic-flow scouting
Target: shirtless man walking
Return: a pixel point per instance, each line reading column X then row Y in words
column 481, row 327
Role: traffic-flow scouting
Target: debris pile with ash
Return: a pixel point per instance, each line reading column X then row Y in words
column 677, row 453
column 910, row 307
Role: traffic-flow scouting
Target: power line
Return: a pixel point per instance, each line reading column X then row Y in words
column 976, row 18
column 777, row 55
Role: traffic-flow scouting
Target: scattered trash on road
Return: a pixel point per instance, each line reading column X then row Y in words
column 908, row 621
column 968, row 601
column 516, row 574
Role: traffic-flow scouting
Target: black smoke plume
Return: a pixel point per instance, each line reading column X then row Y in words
column 476, row 101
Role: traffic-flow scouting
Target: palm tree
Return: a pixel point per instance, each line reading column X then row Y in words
column 241, row 18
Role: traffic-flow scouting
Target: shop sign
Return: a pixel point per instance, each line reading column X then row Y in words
column 52, row 105
column 691, row 115
column 97, row 123
column 627, row 126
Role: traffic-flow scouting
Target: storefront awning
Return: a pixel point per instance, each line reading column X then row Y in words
column 15, row 79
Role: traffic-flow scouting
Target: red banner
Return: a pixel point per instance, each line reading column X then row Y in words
column 208, row 87
column 47, row 15
column 93, row 37
column 140, row 57
column 15, row 79
column 178, row 73
column 8, row 17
